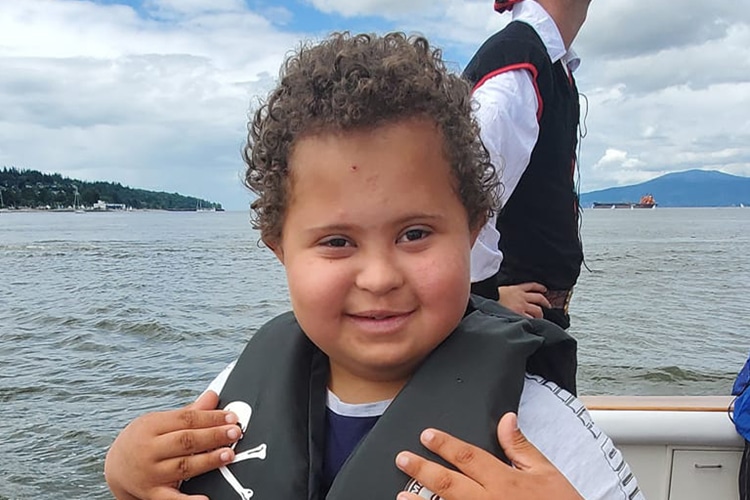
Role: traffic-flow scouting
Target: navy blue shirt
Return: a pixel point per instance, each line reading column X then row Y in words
column 343, row 434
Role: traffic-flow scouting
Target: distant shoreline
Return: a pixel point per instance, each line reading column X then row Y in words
column 6, row 210
column 70, row 210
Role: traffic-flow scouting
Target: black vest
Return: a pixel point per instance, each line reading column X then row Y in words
column 539, row 224
column 464, row 386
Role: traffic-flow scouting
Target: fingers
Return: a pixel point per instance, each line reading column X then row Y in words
column 538, row 473
column 533, row 311
column 190, row 441
column 473, row 462
column 186, row 431
column 188, row 418
column 539, row 300
column 522, row 454
column 532, row 287
column 526, row 299
column 446, row 483
column 209, row 400
column 168, row 493
column 184, row 467
column 544, row 302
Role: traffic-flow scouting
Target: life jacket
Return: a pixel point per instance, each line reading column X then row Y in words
column 741, row 412
column 463, row 387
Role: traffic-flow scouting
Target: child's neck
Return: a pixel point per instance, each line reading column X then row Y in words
column 354, row 390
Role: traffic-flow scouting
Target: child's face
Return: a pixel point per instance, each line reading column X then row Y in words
column 376, row 248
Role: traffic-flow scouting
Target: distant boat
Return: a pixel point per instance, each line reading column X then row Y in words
column 646, row 201
column 200, row 208
column 77, row 207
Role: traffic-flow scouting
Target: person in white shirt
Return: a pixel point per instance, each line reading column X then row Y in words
column 529, row 255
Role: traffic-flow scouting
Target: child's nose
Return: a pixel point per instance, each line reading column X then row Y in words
column 379, row 274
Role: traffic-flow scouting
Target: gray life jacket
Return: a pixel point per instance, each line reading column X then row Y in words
column 463, row 387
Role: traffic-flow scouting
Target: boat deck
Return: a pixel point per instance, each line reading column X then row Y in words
column 658, row 403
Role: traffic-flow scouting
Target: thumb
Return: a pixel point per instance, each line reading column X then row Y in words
column 522, row 454
column 209, row 400
column 533, row 286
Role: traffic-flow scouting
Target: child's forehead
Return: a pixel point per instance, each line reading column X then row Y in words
column 408, row 147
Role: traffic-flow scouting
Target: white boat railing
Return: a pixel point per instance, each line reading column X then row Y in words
column 678, row 447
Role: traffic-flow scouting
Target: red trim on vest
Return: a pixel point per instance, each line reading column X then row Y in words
column 513, row 67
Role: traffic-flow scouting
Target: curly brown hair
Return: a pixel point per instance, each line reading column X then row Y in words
column 354, row 82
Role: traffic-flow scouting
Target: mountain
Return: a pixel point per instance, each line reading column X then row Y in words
column 691, row 188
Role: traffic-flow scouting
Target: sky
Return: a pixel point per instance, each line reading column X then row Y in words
column 156, row 94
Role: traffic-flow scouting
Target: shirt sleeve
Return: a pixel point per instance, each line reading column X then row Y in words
column 506, row 110
column 558, row 424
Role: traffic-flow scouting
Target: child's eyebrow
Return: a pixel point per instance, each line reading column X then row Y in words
column 401, row 221
column 419, row 217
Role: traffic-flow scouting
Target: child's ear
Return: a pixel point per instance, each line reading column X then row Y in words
column 474, row 233
column 277, row 249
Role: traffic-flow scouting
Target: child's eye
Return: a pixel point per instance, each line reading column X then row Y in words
column 335, row 242
column 414, row 234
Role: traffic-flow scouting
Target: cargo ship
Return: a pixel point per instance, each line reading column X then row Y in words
column 647, row 201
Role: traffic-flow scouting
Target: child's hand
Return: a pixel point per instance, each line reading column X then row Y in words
column 483, row 476
column 526, row 299
column 156, row 451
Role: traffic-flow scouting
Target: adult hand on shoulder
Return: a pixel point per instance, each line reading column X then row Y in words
column 481, row 475
column 526, row 299
column 156, row 451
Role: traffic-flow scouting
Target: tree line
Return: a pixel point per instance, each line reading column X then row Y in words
column 21, row 188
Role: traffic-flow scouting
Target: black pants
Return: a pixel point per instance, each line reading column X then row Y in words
column 744, row 479
column 557, row 316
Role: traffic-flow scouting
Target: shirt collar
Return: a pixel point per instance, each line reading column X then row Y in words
column 534, row 15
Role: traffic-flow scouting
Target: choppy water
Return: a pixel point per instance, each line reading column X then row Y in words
column 106, row 316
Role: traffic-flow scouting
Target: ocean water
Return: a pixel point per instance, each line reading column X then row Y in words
column 107, row 316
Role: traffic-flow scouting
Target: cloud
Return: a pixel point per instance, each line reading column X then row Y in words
column 155, row 93
column 622, row 28
column 666, row 82
column 103, row 93
column 384, row 8
column 616, row 158
column 172, row 8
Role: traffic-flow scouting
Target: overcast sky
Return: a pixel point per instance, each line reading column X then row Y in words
column 155, row 94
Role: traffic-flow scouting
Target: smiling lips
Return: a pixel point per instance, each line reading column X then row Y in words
column 380, row 322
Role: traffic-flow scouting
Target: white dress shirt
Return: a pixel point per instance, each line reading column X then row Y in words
column 507, row 115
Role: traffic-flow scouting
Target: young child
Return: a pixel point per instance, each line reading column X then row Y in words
column 372, row 185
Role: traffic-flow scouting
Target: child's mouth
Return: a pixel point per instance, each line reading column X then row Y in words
column 381, row 322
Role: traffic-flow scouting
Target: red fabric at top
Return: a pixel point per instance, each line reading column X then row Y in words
column 503, row 5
